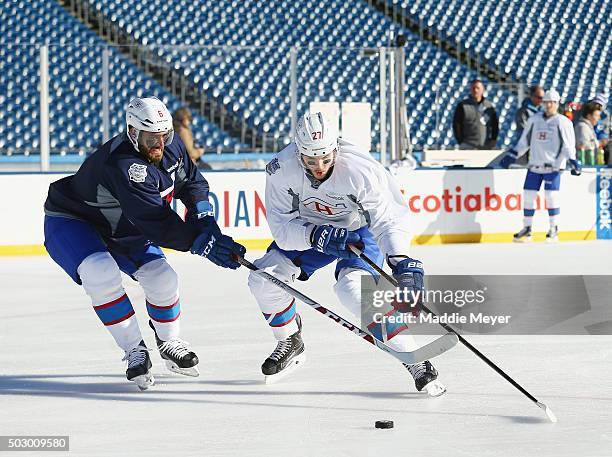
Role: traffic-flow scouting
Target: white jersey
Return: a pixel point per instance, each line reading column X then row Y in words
column 551, row 141
column 359, row 192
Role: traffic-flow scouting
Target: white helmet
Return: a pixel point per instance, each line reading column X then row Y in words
column 315, row 135
column 551, row 95
column 149, row 115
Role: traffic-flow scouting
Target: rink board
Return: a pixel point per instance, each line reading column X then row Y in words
column 447, row 206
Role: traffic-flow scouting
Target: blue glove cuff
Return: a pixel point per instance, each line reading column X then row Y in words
column 204, row 208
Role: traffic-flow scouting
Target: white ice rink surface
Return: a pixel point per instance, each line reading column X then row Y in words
column 62, row 374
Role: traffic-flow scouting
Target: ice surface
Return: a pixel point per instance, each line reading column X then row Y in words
column 62, row 374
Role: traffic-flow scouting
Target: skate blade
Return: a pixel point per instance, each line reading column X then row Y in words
column 144, row 381
column 296, row 362
column 552, row 240
column 191, row 371
column 435, row 388
column 522, row 240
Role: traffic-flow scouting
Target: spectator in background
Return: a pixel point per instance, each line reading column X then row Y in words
column 602, row 128
column 475, row 123
column 530, row 105
column 587, row 144
column 181, row 120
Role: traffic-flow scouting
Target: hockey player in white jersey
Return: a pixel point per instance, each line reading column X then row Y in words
column 550, row 138
column 322, row 194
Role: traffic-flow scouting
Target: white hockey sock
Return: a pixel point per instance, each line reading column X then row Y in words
column 160, row 284
column 553, row 220
column 102, row 281
column 348, row 290
column 126, row 333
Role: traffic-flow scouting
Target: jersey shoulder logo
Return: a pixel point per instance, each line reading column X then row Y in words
column 272, row 167
column 137, row 172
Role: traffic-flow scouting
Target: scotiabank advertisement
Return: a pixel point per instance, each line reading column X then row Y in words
column 447, row 205
column 486, row 205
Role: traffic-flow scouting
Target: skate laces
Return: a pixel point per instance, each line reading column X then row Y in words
column 136, row 356
column 282, row 348
column 417, row 370
column 175, row 348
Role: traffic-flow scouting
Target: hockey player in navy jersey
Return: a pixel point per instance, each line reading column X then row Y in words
column 115, row 213
column 323, row 193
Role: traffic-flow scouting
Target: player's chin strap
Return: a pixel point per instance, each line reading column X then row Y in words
column 448, row 328
column 427, row 352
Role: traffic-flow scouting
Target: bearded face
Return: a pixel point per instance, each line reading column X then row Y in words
column 151, row 145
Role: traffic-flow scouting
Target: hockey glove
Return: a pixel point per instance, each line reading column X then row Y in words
column 218, row 248
column 508, row 159
column 575, row 166
column 334, row 241
column 409, row 276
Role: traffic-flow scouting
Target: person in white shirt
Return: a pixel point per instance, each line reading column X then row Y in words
column 550, row 138
column 322, row 194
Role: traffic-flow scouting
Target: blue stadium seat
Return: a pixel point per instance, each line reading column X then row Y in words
column 75, row 59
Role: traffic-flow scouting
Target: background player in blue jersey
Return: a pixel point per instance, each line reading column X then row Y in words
column 115, row 213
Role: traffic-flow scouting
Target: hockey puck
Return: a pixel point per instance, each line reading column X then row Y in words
column 383, row 424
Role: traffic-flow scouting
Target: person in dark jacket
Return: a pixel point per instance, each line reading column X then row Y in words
column 530, row 106
column 113, row 216
column 475, row 123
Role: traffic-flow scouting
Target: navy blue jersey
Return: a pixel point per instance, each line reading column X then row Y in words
column 127, row 199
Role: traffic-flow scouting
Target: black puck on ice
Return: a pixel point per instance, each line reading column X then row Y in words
column 383, row 424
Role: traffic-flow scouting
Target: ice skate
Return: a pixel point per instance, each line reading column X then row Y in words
column 139, row 366
column 426, row 378
column 177, row 355
column 552, row 236
column 523, row 236
column 288, row 355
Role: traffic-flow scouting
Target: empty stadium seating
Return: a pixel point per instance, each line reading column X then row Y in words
column 75, row 83
column 563, row 44
column 566, row 46
column 254, row 82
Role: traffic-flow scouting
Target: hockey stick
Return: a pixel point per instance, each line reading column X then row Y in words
column 583, row 170
column 448, row 328
column 429, row 351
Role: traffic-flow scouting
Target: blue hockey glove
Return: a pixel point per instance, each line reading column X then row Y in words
column 409, row 275
column 575, row 166
column 334, row 241
column 508, row 159
column 218, row 248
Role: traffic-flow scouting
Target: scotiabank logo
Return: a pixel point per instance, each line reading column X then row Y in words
column 455, row 201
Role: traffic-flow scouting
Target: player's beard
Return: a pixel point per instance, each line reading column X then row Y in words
column 152, row 155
